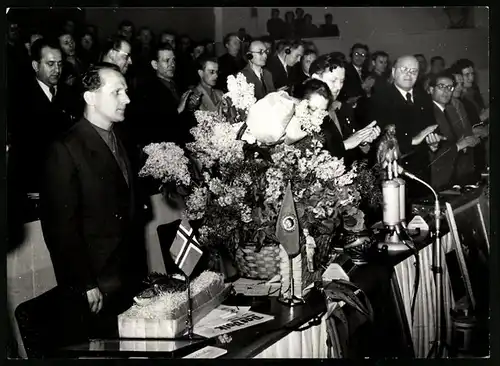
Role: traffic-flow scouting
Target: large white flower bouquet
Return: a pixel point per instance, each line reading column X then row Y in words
column 239, row 171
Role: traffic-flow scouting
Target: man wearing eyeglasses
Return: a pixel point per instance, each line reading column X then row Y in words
column 254, row 71
column 118, row 53
column 410, row 109
column 355, row 85
column 453, row 161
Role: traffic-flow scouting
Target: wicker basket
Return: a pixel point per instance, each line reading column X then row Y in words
column 263, row 265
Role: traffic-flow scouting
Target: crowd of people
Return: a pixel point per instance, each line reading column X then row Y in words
column 79, row 114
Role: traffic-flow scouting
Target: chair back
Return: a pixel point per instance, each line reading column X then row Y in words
column 55, row 319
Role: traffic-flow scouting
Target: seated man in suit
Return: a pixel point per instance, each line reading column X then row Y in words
column 453, row 162
column 280, row 65
column 208, row 70
column 255, row 72
column 89, row 206
column 410, row 109
column 340, row 139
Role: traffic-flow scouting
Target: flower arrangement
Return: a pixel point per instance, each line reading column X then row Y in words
column 236, row 189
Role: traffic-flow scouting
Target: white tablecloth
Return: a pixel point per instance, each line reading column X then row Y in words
column 423, row 328
column 309, row 343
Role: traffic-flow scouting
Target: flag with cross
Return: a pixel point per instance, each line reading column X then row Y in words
column 185, row 250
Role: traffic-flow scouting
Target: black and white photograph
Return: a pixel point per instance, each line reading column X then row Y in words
column 248, row 182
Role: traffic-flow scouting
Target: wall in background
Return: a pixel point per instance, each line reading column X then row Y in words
column 360, row 23
column 199, row 23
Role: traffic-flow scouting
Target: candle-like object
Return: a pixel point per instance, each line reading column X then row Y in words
column 402, row 198
column 390, row 193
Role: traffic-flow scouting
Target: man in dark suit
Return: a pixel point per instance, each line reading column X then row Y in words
column 89, row 206
column 354, row 86
column 159, row 110
column 411, row 111
column 342, row 138
column 280, row 65
column 230, row 63
column 255, row 72
column 453, row 162
column 41, row 111
column 300, row 72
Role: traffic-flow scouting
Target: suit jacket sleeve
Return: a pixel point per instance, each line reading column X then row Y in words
column 443, row 164
column 59, row 201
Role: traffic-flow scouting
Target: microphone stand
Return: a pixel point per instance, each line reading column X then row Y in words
column 438, row 345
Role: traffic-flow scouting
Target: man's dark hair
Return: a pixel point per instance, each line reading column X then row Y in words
column 165, row 46
column 91, row 79
column 463, row 63
column 40, row 44
column 417, row 55
column 442, row 75
column 202, row 61
column 328, row 62
column 328, row 15
column 436, row 58
column 359, row 45
column 114, row 43
column 293, row 44
column 379, row 54
column 228, row 36
column 126, row 23
column 309, row 52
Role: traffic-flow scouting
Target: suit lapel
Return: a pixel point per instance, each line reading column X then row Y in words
column 443, row 123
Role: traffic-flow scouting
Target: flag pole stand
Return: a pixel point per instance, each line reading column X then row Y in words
column 291, row 300
column 189, row 320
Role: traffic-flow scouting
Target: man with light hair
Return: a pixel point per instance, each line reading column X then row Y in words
column 255, row 72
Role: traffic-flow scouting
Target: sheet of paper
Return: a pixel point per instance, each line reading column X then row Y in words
column 212, row 328
column 207, row 352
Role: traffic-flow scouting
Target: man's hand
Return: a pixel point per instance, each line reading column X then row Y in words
column 182, row 103
column 467, row 141
column 363, row 135
column 433, row 140
column 95, row 299
column 353, row 100
column 417, row 140
column 336, row 105
column 485, row 114
column 480, row 131
column 194, row 100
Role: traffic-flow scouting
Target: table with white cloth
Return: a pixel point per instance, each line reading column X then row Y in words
column 388, row 287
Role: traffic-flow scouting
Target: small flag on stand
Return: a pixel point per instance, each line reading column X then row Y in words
column 287, row 227
column 185, row 250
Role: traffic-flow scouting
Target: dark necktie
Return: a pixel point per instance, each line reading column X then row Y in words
column 52, row 91
column 408, row 99
column 264, row 88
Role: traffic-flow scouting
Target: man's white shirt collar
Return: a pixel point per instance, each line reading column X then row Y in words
column 283, row 63
column 439, row 106
column 403, row 93
column 46, row 89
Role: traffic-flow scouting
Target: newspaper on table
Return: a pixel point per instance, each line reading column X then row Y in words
column 226, row 319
